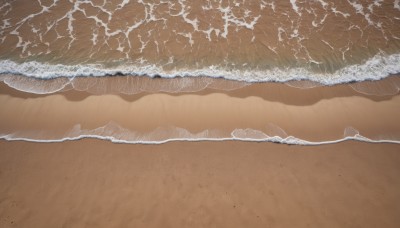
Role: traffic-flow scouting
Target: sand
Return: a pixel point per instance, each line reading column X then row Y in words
column 317, row 114
column 96, row 183
column 93, row 183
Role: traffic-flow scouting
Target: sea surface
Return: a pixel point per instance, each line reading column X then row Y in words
column 135, row 46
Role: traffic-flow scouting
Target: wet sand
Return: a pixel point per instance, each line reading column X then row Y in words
column 93, row 183
column 317, row 114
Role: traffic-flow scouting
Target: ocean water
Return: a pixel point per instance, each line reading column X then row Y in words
column 135, row 46
column 253, row 41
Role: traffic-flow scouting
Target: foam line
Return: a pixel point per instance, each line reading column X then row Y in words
column 116, row 134
column 375, row 68
column 290, row 140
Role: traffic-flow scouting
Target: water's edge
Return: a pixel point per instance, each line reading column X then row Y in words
column 114, row 133
column 376, row 68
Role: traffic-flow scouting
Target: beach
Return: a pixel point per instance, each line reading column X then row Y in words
column 95, row 183
column 213, row 113
column 98, row 183
column 319, row 114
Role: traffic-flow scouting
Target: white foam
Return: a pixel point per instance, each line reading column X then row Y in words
column 295, row 7
column 357, row 6
column 396, row 4
column 115, row 133
column 351, row 132
column 249, row 134
column 375, row 68
column 335, row 11
column 123, row 3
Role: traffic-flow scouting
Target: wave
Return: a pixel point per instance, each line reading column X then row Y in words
column 376, row 68
column 391, row 86
column 116, row 134
column 130, row 85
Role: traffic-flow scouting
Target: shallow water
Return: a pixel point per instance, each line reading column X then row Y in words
column 326, row 42
column 131, row 85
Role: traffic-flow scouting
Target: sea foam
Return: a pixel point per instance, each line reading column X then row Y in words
column 117, row 134
column 376, row 68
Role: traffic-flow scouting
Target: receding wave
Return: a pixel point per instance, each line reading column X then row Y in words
column 375, row 68
column 391, row 86
column 131, row 85
column 117, row 134
column 118, row 84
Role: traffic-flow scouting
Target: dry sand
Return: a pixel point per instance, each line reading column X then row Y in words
column 92, row 183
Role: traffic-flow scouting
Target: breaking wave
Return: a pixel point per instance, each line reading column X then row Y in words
column 375, row 68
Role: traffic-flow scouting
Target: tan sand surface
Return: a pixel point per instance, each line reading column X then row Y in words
column 316, row 114
column 92, row 183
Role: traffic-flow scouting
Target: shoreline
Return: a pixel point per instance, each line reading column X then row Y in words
column 234, row 113
column 375, row 68
column 256, row 111
column 291, row 141
column 133, row 85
